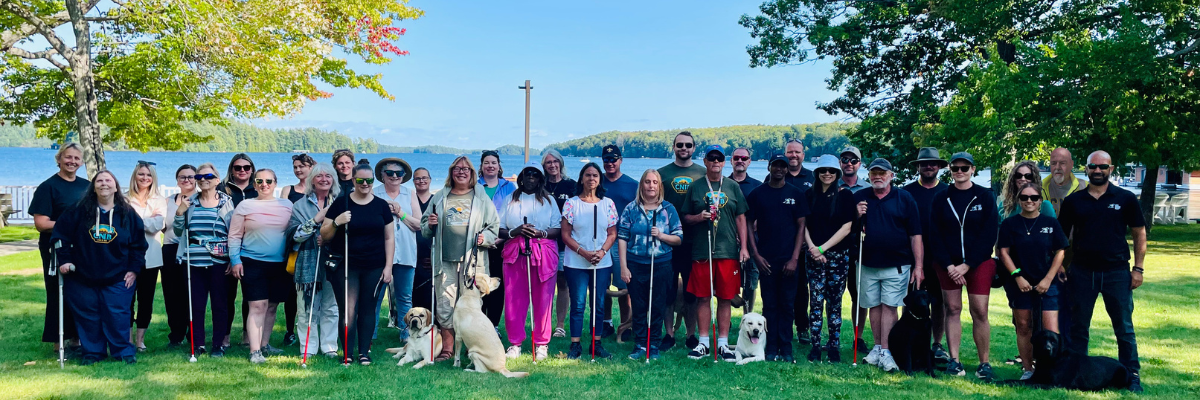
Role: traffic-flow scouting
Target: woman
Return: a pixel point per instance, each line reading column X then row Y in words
column 402, row 203
column 52, row 197
column 343, row 162
column 1023, row 173
column 308, row 215
column 103, row 251
column 423, row 277
column 257, row 251
column 205, row 218
column 174, row 276
column 491, row 176
column 366, row 245
column 964, row 225
column 648, row 228
column 561, row 188
column 589, row 230
column 532, row 219
column 471, row 223
column 1032, row 249
column 828, row 260
column 302, row 165
column 151, row 206
column 239, row 188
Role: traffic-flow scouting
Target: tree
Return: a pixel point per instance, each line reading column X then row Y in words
column 144, row 67
column 1006, row 80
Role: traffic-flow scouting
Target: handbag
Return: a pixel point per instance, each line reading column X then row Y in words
column 291, row 262
column 331, row 261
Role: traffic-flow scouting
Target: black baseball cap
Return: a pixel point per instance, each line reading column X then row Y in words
column 880, row 164
column 611, row 153
column 778, row 158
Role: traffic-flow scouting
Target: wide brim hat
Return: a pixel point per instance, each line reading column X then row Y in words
column 393, row 160
column 929, row 154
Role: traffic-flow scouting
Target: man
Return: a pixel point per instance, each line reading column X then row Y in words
column 677, row 178
column 1097, row 219
column 622, row 190
column 1062, row 181
column 777, row 212
column 851, row 160
column 797, row 175
column 741, row 162
column 929, row 165
column 716, row 208
column 892, row 229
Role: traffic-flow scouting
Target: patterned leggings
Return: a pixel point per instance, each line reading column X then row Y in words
column 826, row 284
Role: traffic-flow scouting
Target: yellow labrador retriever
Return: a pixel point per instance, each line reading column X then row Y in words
column 473, row 329
column 752, row 339
column 420, row 332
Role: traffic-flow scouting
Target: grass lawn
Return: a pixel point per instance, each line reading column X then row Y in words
column 13, row 233
column 1167, row 317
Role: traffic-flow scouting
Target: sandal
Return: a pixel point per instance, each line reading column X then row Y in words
column 443, row 356
column 559, row 332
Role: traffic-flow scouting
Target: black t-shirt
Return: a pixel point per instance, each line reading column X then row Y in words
column 424, row 244
column 1099, row 227
column 803, row 179
column 368, row 222
column 924, row 198
column 1032, row 243
column 889, row 223
column 238, row 194
column 776, row 210
column 829, row 212
column 562, row 191
column 749, row 184
column 54, row 196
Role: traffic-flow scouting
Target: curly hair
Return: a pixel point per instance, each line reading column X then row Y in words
column 1008, row 195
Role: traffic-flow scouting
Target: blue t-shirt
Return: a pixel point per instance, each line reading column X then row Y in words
column 888, row 223
column 622, row 191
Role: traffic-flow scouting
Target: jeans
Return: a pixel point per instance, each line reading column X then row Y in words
column 778, row 298
column 640, row 297
column 1118, row 300
column 400, row 291
column 580, row 283
column 102, row 316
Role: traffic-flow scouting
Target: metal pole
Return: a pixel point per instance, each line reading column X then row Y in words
column 526, row 88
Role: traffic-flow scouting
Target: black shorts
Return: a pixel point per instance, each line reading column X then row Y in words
column 681, row 263
column 265, row 280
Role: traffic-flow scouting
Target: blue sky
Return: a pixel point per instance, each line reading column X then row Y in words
column 595, row 65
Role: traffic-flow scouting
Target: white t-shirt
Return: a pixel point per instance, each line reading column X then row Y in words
column 154, row 216
column 405, row 239
column 543, row 216
column 580, row 215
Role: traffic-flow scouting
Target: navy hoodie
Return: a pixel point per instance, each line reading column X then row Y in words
column 101, row 256
column 978, row 229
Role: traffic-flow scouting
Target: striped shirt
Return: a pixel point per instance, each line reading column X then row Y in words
column 205, row 225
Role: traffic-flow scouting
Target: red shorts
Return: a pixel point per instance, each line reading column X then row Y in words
column 979, row 279
column 727, row 284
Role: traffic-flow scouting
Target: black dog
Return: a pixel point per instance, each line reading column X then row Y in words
column 911, row 338
column 1058, row 367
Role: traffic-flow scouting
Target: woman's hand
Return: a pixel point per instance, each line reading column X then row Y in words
column 625, row 275
column 1023, row 284
column 1044, row 285
column 343, row 219
column 179, row 202
column 654, row 232
column 598, row 256
column 387, row 274
column 479, row 240
column 66, row 268
column 238, row 271
column 130, row 279
column 433, row 220
column 814, row 252
column 320, row 217
column 395, row 208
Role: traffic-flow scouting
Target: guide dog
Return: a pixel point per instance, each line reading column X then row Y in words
column 912, row 336
column 1059, row 367
column 474, row 330
column 420, row 332
column 751, row 344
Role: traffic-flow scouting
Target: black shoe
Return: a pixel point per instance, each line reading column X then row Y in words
column 862, row 346
column 201, row 350
column 654, row 353
column 575, row 351
column 985, row 373
column 129, row 360
column 289, row 339
column 803, row 337
column 940, row 355
column 1135, row 383
column 787, row 357
column 726, row 354
column 88, row 360
column 218, row 352
column 692, row 341
column 638, row 353
column 814, row 355
column 599, row 350
column 834, row 354
column 627, row 335
column 608, row 329
column 364, row 360
column 667, row 343
column 698, row 352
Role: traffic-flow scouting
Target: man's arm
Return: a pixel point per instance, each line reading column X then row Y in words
column 1139, row 255
column 918, row 272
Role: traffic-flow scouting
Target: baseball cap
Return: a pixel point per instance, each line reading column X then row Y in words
column 962, row 155
column 611, row 153
column 880, row 164
column 778, row 158
column 852, row 150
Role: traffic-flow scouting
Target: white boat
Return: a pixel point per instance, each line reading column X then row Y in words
column 585, row 160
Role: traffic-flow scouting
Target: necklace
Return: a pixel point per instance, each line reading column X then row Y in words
column 1028, row 228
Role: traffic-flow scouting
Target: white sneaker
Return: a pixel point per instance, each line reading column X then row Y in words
column 513, row 352
column 872, row 358
column 887, row 363
column 1026, row 375
column 541, row 351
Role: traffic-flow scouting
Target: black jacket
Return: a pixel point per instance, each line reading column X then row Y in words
column 978, row 228
column 101, row 258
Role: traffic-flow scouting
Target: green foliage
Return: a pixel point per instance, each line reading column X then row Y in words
column 762, row 140
column 506, row 150
column 228, row 137
column 21, row 136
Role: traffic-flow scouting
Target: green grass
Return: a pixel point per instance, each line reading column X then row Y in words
column 1167, row 317
column 14, row 233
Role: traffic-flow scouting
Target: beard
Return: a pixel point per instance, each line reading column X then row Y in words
column 1059, row 178
column 1097, row 179
column 879, row 185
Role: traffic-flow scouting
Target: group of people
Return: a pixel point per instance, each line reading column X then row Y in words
column 331, row 246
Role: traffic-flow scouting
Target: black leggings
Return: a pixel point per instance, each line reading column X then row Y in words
column 147, row 282
column 493, row 303
column 175, row 294
column 289, row 309
column 362, row 297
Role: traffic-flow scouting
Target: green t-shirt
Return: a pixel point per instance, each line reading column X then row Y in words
column 729, row 199
column 491, row 191
column 676, row 180
column 455, row 220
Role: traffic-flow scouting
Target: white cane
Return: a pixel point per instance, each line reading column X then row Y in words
column 346, row 291
column 311, row 307
column 858, row 290
column 592, row 333
column 712, row 292
column 529, row 280
column 62, row 354
column 650, row 297
column 187, row 255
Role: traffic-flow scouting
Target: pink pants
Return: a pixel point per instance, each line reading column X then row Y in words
column 544, row 261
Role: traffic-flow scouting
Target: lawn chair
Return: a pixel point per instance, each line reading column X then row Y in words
column 6, row 208
column 1161, row 208
column 1179, row 208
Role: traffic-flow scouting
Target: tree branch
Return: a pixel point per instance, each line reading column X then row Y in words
column 47, row 55
column 1190, row 48
column 9, row 38
column 38, row 24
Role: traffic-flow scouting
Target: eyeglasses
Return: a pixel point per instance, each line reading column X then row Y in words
column 715, row 158
column 1028, row 177
column 1101, row 167
column 960, row 168
column 741, row 158
column 260, row 181
column 684, row 145
column 360, row 181
column 243, row 168
column 460, row 169
column 830, row 171
column 150, row 163
column 394, row 173
column 1025, row 197
column 850, row 160
column 421, row 179
column 204, row 177
column 185, row 178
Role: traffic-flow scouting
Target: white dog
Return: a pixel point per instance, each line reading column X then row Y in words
column 473, row 329
column 420, row 332
column 752, row 343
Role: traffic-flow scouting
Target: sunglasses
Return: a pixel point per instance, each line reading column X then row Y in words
column 141, row 163
column 960, row 168
column 1026, row 197
column 611, row 159
column 1028, row 177
column 395, row 173
column 850, row 160
column 741, row 158
column 1098, row 166
column 716, row 158
column 243, row 168
column 930, row 164
column 204, row 177
column 299, row 157
column 830, row 171
column 260, row 181
column 684, row 145
column 490, row 153
column 360, row 181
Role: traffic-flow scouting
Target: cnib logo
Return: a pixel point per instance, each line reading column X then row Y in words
column 681, row 184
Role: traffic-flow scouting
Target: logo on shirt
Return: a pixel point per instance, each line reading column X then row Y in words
column 103, row 234
column 1047, row 230
column 977, row 207
column 563, row 196
column 681, row 184
column 1115, row 207
column 789, row 201
column 718, row 198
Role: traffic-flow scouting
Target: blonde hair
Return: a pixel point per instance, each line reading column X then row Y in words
column 209, row 166
column 450, row 171
column 642, row 199
column 133, row 185
column 65, row 147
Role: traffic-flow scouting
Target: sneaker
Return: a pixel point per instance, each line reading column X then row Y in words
column 667, row 343
column 638, row 353
column 129, row 360
column 787, row 357
column 541, row 352
column 654, row 353
column 333, row 355
column 513, row 352
column 256, row 357
column 201, row 350
column 691, row 342
column 575, row 351
column 727, row 354
column 218, row 352
column 862, row 345
column 803, row 337
column 835, row 354
column 698, row 352
column 985, row 372
column 608, row 329
column 89, row 360
column 559, row 332
column 1135, row 383
column 814, row 355
column 599, row 350
column 887, row 363
column 289, row 339
column 872, row 358
column 364, row 360
column 268, row 349
column 1026, row 375
column 940, row 354
column 955, row 368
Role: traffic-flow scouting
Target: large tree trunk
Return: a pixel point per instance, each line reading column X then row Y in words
column 1149, row 185
column 87, row 119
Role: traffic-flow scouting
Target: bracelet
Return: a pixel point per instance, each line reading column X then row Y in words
column 1015, row 272
column 402, row 215
column 820, row 250
column 1139, row 270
